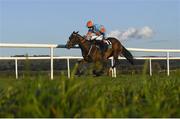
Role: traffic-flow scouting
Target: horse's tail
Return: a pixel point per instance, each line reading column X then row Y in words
column 127, row 55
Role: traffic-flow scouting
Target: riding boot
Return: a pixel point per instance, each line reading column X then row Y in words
column 105, row 47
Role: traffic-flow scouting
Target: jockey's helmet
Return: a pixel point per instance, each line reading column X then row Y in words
column 89, row 24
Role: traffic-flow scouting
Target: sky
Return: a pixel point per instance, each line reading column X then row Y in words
column 136, row 23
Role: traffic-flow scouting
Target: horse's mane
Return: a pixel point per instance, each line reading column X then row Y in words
column 80, row 35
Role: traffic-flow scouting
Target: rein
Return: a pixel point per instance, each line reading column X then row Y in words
column 83, row 41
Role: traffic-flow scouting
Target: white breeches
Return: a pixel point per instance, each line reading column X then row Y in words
column 97, row 37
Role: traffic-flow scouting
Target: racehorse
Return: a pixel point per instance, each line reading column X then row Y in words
column 92, row 53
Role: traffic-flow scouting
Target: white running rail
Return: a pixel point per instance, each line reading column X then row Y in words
column 52, row 46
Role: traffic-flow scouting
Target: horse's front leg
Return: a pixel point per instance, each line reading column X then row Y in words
column 98, row 68
column 81, row 67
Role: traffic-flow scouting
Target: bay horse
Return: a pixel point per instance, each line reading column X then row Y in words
column 92, row 53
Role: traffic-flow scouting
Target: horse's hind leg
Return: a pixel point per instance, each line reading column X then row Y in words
column 115, row 58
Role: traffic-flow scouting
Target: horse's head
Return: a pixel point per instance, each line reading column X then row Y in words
column 73, row 40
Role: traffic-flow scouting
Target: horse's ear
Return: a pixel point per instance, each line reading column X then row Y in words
column 77, row 32
column 73, row 31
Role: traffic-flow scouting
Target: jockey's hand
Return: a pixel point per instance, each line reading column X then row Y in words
column 85, row 36
column 98, row 33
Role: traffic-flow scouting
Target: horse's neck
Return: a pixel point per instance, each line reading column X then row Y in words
column 84, row 45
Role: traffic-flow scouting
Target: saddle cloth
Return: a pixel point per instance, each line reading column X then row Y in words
column 108, row 42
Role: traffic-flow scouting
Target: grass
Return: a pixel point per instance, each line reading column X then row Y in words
column 125, row 96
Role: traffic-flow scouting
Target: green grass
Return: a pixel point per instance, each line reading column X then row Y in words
column 126, row 96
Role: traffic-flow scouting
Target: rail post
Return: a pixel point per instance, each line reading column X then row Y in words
column 114, row 72
column 168, row 63
column 16, row 68
column 68, row 68
column 51, row 51
column 150, row 67
column 113, row 69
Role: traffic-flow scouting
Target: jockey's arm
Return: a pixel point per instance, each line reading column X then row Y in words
column 88, row 35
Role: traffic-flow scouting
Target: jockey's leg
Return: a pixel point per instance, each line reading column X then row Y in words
column 88, row 56
column 101, row 43
column 92, row 41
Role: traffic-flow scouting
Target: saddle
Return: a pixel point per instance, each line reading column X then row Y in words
column 103, row 44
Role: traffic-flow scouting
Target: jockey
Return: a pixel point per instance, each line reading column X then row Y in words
column 95, row 32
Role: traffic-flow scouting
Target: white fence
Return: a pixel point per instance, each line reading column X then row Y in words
column 52, row 46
